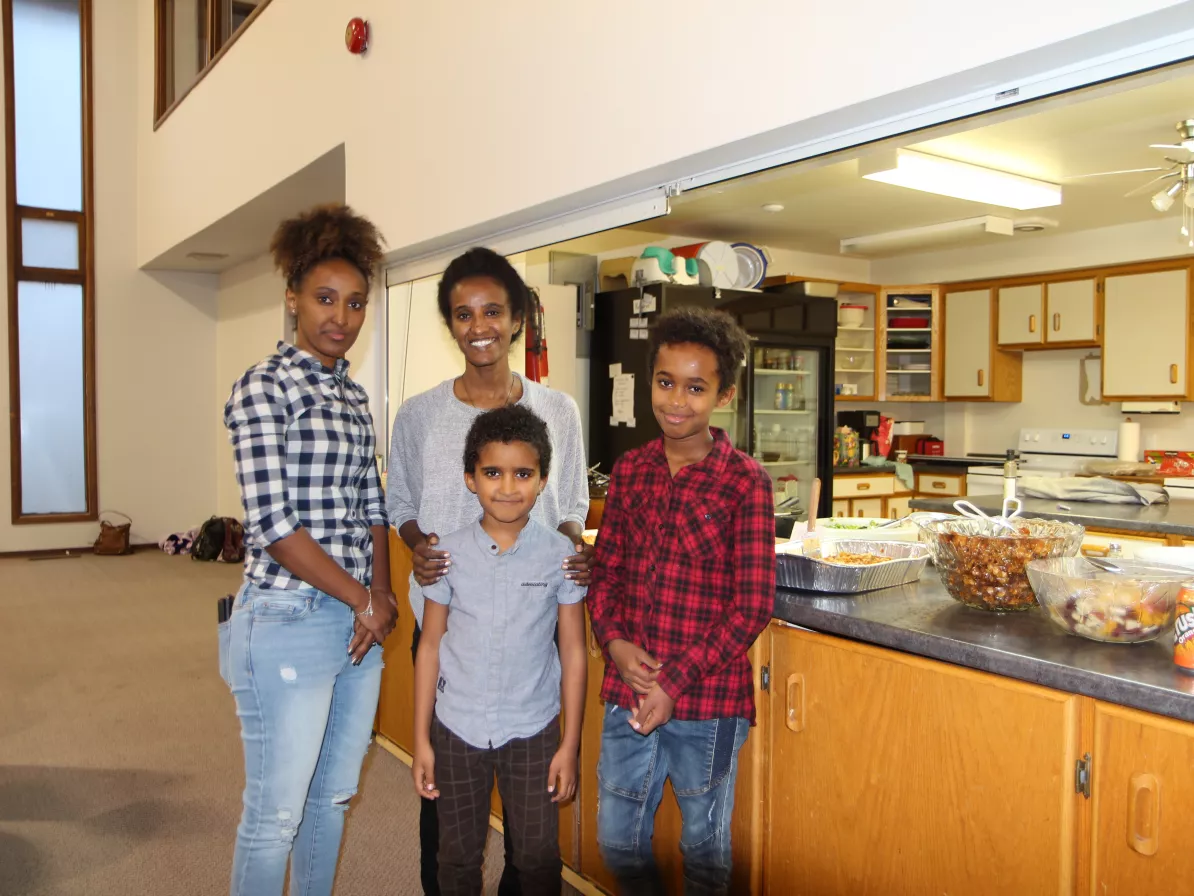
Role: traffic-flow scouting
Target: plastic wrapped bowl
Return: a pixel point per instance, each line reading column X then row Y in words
column 1119, row 608
column 987, row 571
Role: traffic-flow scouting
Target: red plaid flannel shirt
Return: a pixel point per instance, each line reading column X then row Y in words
column 686, row 570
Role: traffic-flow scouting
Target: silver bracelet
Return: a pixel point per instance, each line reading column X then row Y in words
column 368, row 611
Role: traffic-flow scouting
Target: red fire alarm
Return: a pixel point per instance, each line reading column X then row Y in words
column 356, row 36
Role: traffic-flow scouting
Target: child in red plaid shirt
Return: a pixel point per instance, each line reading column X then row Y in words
column 683, row 585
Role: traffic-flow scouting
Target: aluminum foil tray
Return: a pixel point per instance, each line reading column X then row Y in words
column 812, row 574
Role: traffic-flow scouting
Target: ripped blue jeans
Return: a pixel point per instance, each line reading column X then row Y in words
column 701, row 759
column 306, row 716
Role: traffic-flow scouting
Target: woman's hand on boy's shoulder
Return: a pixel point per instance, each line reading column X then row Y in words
column 579, row 566
column 561, row 775
column 430, row 565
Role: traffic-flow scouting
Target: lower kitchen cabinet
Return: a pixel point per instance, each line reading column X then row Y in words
column 1141, row 794
column 898, row 506
column 891, row 774
column 396, row 704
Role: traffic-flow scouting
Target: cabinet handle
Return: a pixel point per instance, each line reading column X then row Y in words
column 794, row 717
column 937, row 483
column 1032, row 323
column 1056, row 322
column 1173, row 373
column 980, row 377
column 1144, row 814
column 864, row 486
column 861, row 513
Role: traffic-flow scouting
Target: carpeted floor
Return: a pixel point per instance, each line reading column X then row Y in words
column 120, row 758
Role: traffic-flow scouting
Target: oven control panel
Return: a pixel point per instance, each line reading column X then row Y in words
column 1087, row 442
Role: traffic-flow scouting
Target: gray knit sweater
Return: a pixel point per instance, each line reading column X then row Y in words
column 425, row 477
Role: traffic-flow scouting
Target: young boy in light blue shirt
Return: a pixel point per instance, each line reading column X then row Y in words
column 488, row 673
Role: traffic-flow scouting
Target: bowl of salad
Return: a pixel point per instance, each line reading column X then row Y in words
column 865, row 529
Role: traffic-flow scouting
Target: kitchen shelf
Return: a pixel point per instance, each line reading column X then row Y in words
column 896, row 350
column 913, row 372
column 770, row 370
column 858, row 370
column 761, row 411
column 848, row 349
column 895, row 331
column 841, row 330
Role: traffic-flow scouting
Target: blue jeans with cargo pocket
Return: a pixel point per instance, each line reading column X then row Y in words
column 701, row 758
column 306, row 715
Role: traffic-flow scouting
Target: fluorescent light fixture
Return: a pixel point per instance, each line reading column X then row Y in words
column 961, row 180
column 933, row 234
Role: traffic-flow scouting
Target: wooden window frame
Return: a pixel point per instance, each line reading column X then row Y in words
column 83, row 276
column 217, row 40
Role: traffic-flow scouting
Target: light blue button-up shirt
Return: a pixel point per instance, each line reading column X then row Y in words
column 499, row 668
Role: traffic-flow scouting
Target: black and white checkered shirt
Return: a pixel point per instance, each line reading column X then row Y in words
column 303, row 440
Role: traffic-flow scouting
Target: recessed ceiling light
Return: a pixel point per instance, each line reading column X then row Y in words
column 1033, row 225
column 773, row 207
column 207, row 256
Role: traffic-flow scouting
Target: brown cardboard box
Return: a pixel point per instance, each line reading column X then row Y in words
column 617, row 273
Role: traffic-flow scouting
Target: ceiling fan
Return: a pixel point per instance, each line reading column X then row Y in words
column 1182, row 171
column 1176, row 181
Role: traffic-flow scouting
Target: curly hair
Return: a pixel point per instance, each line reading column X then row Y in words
column 506, row 425
column 482, row 262
column 715, row 330
column 321, row 234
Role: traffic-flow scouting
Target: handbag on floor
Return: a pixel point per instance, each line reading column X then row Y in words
column 113, row 537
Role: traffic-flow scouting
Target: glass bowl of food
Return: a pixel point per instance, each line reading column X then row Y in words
column 982, row 565
column 1127, row 607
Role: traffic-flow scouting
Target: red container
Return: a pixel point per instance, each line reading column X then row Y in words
column 689, row 251
column 908, row 323
column 930, row 447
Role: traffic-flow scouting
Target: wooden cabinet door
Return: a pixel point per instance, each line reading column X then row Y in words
column 841, row 507
column 898, row 507
column 1141, row 793
column 1020, row 321
column 1071, row 312
column 968, row 344
column 871, row 508
column 1145, row 330
column 892, row 774
column 396, row 703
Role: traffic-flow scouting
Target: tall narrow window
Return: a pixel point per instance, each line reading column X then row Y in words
column 51, row 320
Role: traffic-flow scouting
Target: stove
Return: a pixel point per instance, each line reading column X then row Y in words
column 1048, row 452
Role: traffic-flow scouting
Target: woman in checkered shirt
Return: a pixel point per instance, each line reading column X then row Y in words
column 316, row 596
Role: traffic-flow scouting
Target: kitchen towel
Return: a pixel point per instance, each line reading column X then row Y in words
column 1081, row 488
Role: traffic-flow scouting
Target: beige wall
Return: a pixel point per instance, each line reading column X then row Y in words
column 433, row 116
column 155, row 334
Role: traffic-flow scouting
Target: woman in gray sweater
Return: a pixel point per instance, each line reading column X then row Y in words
column 485, row 305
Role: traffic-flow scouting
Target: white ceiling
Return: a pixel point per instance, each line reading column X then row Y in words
column 825, row 200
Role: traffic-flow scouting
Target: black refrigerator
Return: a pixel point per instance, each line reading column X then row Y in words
column 783, row 412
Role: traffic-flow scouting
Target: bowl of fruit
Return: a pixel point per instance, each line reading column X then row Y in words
column 1132, row 605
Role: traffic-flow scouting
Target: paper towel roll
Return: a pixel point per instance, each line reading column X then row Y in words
column 1129, row 441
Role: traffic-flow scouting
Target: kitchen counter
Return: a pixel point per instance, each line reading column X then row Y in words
column 864, row 469
column 923, row 619
column 1164, row 519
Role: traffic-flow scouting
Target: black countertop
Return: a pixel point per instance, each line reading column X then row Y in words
column 923, row 619
column 865, row 468
column 1176, row 518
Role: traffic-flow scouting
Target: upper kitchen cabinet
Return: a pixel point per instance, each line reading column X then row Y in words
column 1146, row 329
column 854, row 375
column 975, row 368
column 1020, row 310
column 1072, row 313
column 909, row 344
column 1048, row 315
